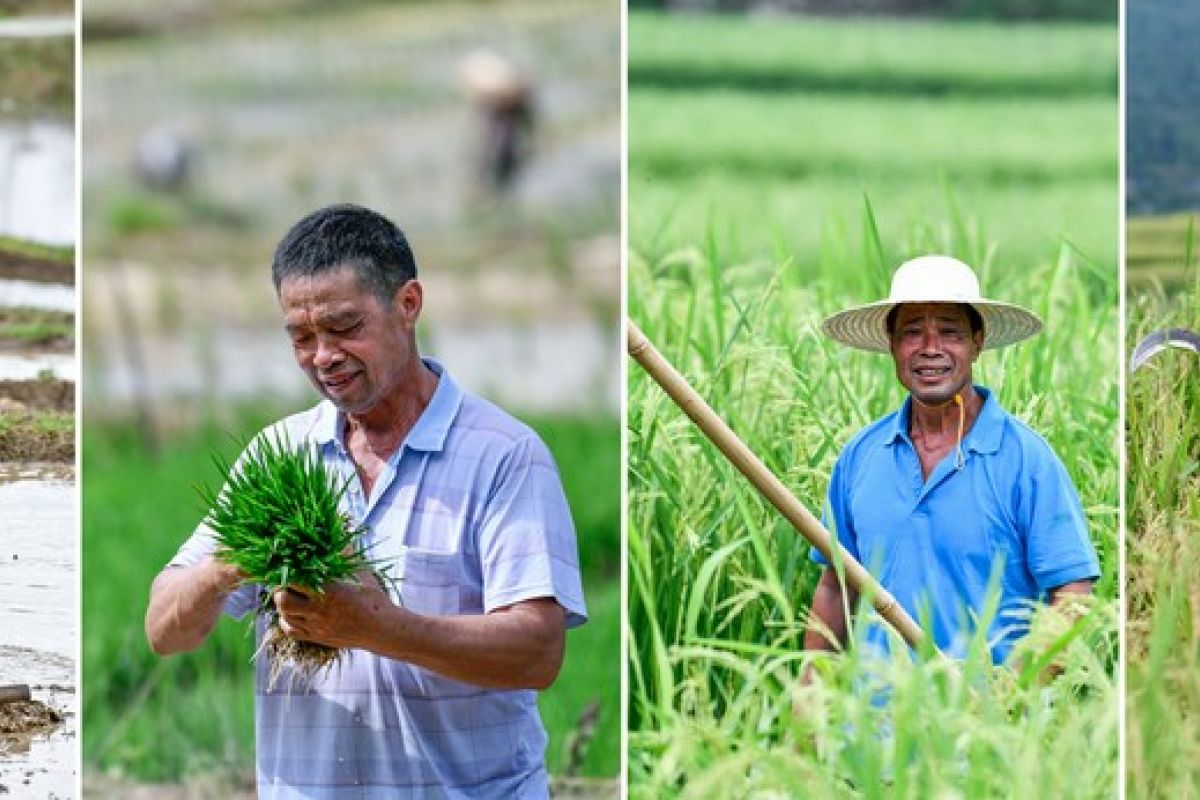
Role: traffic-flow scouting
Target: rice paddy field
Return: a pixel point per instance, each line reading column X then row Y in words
column 1162, row 700
column 779, row 170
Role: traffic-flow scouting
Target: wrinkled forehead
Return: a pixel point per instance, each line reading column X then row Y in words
column 937, row 312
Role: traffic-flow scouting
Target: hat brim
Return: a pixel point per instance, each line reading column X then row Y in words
column 865, row 327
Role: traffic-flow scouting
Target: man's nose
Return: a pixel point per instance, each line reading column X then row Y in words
column 930, row 339
column 328, row 353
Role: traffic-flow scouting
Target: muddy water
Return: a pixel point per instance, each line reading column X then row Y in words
column 544, row 367
column 38, row 628
column 37, row 181
column 36, row 27
column 26, row 367
column 46, row 296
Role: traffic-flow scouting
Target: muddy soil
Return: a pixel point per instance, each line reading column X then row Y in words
column 31, row 436
column 58, row 345
column 22, row 267
column 35, row 424
column 38, row 623
column 21, row 721
column 39, row 395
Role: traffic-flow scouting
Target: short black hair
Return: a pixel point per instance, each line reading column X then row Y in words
column 346, row 235
column 974, row 318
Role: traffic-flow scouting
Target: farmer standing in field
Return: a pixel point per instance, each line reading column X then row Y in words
column 463, row 505
column 937, row 497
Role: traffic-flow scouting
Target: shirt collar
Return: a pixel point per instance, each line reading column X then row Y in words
column 432, row 428
column 985, row 433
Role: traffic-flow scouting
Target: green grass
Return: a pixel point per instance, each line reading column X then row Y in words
column 821, row 135
column 166, row 718
column 64, row 254
column 588, row 677
column 930, row 58
column 37, row 435
column 36, row 326
column 787, row 170
column 747, row 226
column 1157, row 255
column 1162, row 698
column 38, row 75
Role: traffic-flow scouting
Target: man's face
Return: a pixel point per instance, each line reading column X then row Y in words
column 352, row 347
column 934, row 348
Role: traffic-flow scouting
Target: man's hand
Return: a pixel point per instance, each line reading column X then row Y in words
column 1060, row 595
column 519, row 646
column 343, row 615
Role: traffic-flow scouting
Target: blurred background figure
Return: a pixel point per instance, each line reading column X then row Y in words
column 504, row 99
column 162, row 159
column 237, row 118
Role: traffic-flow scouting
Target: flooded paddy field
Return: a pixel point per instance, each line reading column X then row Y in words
column 38, row 586
column 39, row 560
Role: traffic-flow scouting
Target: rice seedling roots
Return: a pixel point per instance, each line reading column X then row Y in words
column 307, row 659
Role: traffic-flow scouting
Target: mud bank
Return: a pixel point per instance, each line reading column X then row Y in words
column 20, row 722
column 31, row 436
column 40, row 395
column 23, row 267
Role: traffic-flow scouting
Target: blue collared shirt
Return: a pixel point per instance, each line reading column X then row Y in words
column 468, row 516
column 934, row 543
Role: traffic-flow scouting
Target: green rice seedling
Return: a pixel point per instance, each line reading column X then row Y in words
column 278, row 521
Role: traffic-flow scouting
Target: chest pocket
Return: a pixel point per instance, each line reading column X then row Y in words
column 428, row 582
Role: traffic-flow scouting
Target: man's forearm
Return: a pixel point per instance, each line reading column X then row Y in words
column 828, row 615
column 518, row 647
column 185, row 604
column 515, row 648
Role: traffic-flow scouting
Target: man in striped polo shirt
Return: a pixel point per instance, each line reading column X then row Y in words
column 435, row 697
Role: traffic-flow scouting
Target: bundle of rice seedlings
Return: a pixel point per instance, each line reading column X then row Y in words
column 277, row 520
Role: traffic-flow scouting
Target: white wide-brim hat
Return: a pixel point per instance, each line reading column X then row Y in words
column 931, row 279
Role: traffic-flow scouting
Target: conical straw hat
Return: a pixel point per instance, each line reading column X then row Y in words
column 931, row 279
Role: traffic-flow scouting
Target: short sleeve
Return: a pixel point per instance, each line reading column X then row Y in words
column 836, row 517
column 1058, row 548
column 526, row 536
column 199, row 546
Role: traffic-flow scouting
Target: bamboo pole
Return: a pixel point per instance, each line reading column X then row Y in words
column 720, row 434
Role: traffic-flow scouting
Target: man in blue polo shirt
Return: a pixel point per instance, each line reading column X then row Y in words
column 950, row 492
column 435, row 696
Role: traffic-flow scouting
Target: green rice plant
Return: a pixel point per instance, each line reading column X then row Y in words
column 1162, row 699
column 714, row 665
column 741, row 241
column 936, row 58
column 278, row 521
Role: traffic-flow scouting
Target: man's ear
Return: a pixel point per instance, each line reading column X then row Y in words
column 407, row 302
